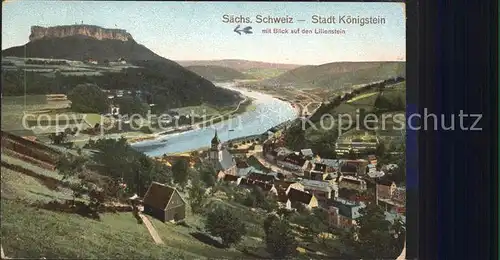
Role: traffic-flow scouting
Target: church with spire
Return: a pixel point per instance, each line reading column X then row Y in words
column 220, row 157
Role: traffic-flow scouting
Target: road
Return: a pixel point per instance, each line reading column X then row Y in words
column 273, row 167
column 151, row 229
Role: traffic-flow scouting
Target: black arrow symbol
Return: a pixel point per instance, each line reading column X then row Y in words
column 236, row 30
column 246, row 30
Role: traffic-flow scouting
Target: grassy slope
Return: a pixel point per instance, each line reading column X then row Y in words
column 240, row 65
column 218, row 73
column 263, row 73
column 365, row 100
column 339, row 74
column 31, row 232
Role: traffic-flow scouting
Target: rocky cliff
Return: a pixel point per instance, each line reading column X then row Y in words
column 92, row 31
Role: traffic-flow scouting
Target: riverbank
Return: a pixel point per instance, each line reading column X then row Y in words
column 264, row 113
column 243, row 106
column 275, row 94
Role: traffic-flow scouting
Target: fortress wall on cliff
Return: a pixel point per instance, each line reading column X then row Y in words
column 99, row 33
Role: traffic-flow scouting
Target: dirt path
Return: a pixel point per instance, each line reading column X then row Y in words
column 3, row 255
column 403, row 253
column 151, row 229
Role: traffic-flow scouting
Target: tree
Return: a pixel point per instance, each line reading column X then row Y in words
column 225, row 224
column 207, row 173
column 180, row 172
column 301, row 209
column 121, row 161
column 270, row 203
column 58, row 138
column 70, row 166
column 380, row 152
column 325, row 145
column 88, row 98
column 373, row 236
column 132, row 105
column 197, row 197
column 320, row 222
column 258, row 198
column 280, row 242
column 296, row 137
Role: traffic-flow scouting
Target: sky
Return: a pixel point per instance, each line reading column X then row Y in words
column 195, row 30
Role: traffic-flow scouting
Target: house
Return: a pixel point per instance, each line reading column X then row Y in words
column 265, row 178
column 349, row 170
column 376, row 174
column 395, row 216
column 271, row 156
column 287, row 185
column 391, row 196
column 307, row 154
column 294, row 162
column 372, row 159
column 307, row 199
column 92, row 61
column 318, row 172
column 283, row 199
column 359, row 164
column 231, row 179
column 243, row 168
column 280, row 153
column 220, row 157
column 164, row 203
column 390, row 167
column 360, row 143
column 250, row 183
column 332, row 165
column 343, row 213
column 322, row 190
column 266, row 187
column 352, row 183
column 221, row 175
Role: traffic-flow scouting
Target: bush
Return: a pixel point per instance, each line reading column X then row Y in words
column 88, row 98
column 225, row 224
column 280, row 242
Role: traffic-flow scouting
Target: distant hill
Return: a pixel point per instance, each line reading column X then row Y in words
column 338, row 74
column 169, row 83
column 218, row 73
column 81, row 48
column 239, row 65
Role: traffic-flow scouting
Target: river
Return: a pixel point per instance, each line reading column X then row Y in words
column 268, row 112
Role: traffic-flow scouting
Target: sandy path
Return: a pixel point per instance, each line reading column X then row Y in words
column 3, row 254
column 151, row 229
column 403, row 253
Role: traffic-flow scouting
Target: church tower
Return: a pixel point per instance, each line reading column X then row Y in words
column 215, row 154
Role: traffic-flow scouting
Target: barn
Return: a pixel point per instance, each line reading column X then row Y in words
column 164, row 203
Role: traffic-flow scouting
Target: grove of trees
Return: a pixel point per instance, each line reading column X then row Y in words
column 224, row 223
column 374, row 237
column 88, row 98
column 280, row 241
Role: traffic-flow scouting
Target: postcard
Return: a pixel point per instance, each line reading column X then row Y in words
column 194, row 130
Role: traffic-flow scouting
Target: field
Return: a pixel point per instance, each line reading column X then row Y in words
column 32, row 232
column 261, row 73
column 198, row 110
column 367, row 101
column 13, row 108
